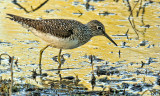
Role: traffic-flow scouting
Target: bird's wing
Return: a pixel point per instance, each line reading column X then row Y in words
column 62, row 28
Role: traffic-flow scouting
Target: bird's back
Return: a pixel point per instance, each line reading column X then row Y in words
column 61, row 28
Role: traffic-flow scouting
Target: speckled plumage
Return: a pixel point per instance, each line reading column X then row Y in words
column 62, row 33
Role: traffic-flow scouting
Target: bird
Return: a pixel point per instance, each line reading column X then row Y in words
column 61, row 33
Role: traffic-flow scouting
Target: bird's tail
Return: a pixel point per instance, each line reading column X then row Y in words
column 20, row 20
column 13, row 17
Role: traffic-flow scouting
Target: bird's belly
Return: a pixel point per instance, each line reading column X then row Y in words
column 61, row 43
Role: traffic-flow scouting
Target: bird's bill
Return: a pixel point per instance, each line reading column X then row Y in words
column 110, row 39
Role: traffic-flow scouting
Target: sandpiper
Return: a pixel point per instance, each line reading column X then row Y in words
column 62, row 33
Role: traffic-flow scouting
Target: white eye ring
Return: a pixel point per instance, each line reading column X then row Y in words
column 99, row 27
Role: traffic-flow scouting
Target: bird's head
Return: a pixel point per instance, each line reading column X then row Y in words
column 98, row 28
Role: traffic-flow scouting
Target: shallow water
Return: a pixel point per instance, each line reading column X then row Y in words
column 133, row 65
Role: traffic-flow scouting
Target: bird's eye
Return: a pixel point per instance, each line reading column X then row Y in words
column 99, row 27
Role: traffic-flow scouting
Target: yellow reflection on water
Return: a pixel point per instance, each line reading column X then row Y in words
column 25, row 46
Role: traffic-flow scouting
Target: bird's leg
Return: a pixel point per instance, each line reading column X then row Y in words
column 59, row 60
column 40, row 58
